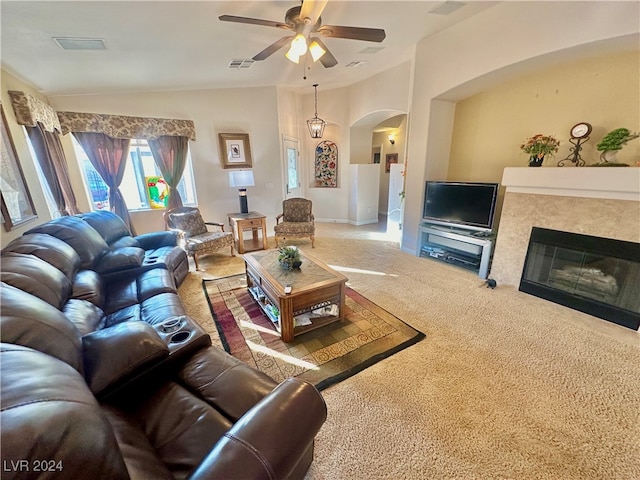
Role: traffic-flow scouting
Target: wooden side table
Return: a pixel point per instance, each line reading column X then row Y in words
column 254, row 221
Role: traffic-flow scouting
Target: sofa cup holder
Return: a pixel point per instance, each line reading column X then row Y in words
column 172, row 325
column 179, row 337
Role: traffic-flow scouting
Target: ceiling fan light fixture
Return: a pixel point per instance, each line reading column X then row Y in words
column 299, row 45
column 316, row 125
column 316, row 50
column 291, row 55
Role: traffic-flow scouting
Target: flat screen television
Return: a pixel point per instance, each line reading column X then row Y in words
column 466, row 205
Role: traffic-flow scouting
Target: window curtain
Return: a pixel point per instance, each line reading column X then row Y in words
column 108, row 156
column 170, row 155
column 52, row 161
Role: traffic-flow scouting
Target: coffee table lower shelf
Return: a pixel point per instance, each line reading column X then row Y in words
column 273, row 313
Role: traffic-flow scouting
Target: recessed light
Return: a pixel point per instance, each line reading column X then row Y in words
column 73, row 43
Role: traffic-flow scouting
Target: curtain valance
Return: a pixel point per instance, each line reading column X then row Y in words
column 121, row 126
column 30, row 111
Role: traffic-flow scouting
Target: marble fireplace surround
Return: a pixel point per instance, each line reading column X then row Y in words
column 598, row 201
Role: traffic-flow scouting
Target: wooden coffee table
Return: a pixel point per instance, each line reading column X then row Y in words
column 314, row 286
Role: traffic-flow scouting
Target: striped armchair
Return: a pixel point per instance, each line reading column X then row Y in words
column 296, row 220
column 196, row 238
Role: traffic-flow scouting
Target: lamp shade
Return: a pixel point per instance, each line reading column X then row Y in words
column 241, row 178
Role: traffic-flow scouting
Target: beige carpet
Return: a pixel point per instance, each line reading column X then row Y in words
column 505, row 386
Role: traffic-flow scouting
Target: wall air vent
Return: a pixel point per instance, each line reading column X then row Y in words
column 241, row 64
column 72, row 43
column 354, row 64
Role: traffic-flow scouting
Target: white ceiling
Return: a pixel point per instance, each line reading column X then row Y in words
column 181, row 45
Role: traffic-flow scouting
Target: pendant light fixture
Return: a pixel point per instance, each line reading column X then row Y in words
column 316, row 125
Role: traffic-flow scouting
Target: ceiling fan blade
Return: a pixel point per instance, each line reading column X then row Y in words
column 253, row 21
column 312, row 9
column 353, row 33
column 327, row 60
column 273, row 48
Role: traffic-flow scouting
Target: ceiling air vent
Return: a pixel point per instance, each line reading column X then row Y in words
column 241, row 64
column 354, row 64
column 73, row 43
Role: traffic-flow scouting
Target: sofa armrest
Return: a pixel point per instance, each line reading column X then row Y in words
column 271, row 438
column 149, row 241
column 115, row 354
column 124, row 258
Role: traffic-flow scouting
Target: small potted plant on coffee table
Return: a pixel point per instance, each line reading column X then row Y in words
column 289, row 257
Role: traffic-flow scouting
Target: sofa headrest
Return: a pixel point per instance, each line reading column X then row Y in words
column 109, row 225
column 50, row 249
column 84, row 239
column 51, row 421
column 34, row 275
column 26, row 320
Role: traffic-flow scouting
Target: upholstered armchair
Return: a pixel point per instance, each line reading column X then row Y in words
column 296, row 220
column 196, row 238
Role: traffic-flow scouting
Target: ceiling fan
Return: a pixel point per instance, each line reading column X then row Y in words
column 306, row 23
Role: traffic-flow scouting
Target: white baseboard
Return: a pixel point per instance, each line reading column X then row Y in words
column 331, row 220
column 357, row 224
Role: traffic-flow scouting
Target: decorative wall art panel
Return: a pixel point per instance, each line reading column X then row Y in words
column 326, row 164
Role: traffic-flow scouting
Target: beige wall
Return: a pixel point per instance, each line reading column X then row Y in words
column 213, row 111
column 482, row 51
column 469, row 53
column 489, row 127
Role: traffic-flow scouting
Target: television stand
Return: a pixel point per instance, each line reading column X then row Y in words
column 465, row 248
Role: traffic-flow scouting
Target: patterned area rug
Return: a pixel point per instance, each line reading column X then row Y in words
column 323, row 356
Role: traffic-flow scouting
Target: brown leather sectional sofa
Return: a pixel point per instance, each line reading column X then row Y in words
column 103, row 376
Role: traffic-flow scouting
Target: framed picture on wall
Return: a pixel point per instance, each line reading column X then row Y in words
column 16, row 206
column 391, row 158
column 235, row 150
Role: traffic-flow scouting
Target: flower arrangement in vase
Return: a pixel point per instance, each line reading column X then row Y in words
column 289, row 257
column 538, row 146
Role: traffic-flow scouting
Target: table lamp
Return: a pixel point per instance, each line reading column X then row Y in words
column 241, row 179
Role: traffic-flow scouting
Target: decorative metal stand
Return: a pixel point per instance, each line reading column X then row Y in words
column 574, row 156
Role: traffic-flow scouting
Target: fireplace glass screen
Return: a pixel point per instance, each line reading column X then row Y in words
column 595, row 275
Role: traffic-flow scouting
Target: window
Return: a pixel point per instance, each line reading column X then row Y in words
column 135, row 187
column 48, row 196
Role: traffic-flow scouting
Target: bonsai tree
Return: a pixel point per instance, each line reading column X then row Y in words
column 616, row 139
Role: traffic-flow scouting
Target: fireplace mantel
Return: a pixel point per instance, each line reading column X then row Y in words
column 597, row 201
column 616, row 183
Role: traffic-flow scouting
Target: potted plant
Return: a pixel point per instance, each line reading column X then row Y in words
column 538, row 146
column 289, row 257
column 612, row 142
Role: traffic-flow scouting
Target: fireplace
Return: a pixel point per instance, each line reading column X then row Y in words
column 598, row 276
